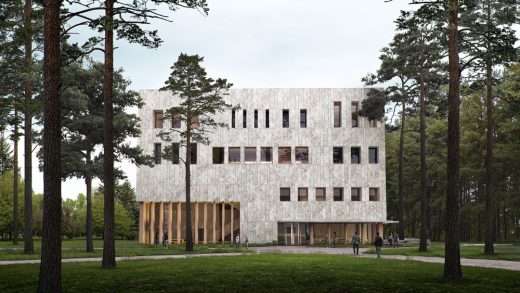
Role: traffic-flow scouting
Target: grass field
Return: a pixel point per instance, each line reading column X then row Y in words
column 264, row 273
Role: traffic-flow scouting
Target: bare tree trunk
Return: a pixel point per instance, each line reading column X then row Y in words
column 423, row 245
column 189, row 236
column 401, row 172
column 50, row 266
column 28, row 231
column 88, row 183
column 452, row 268
column 109, row 249
column 15, row 177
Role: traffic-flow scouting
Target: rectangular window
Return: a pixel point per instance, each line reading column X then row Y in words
column 218, row 155
column 320, row 194
column 302, row 155
column 176, row 120
column 195, row 122
column 355, row 155
column 250, row 155
column 355, row 194
column 194, row 153
column 303, row 194
column 355, row 109
column 266, row 118
column 157, row 153
column 256, row 119
column 157, row 119
column 337, row 114
column 234, row 155
column 373, row 155
column 285, row 118
column 303, row 118
column 244, row 118
column 285, row 194
column 233, row 118
column 373, row 194
column 337, row 155
column 284, row 155
column 338, row 193
column 175, row 152
column 266, row 154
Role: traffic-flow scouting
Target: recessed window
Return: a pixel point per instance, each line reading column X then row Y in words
column 256, row 119
column 285, row 118
column 244, row 118
column 303, row 194
column 284, row 155
column 302, row 155
column 355, row 194
column 250, row 155
column 337, row 114
column 373, row 194
column 234, row 155
column 303, row 118
column 338, row 193
column 285, row 194
column 355, row 117
column 266, row 154
column 157, row 153
column 233, row 118
column 373, row 156
column 158, row 119
column 175, row 152
column 194, row 153
column 195, row 122
column 320, row 194
column 176, row 120
column 337, row 155
column 355, row 155
column 266, row 118
column 218, row 155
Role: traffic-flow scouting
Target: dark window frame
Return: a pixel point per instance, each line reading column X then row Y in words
column 303, row 198
column 233, row 119
column 255, row 123
column 303, row 118
column 285, row 118
column 355, row 114
column 283, row 196
column 339, row 197
column 157, row 152
column 218, row 155
column 337, row 114
column 264, row 155
column 267, row 118
column 194, row 153
column 324, row 194
column 239, row 155
column 337, row 151
column 358, row 196
column 298, row 155
column 373, row 155
column 290, row 155
column 370, row 197
column 244, row 118
column 158, row 122
column 245, row 155
column 359, row 155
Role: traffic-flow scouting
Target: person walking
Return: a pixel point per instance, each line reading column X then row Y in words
column 334, row 239
column 378, row 242
column 396, row 240
column 165, row 240
column 355, row 243
column 247, row 243
column 237, row 241
column 390, row 238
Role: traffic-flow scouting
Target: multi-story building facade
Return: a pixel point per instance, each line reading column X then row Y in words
column 295, row 165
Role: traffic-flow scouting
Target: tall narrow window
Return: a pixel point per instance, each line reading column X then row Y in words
column 303, row 194
column 285, row 118
column 218, row 155
column 303, row 118
column 355, row 194
column 158, row 119
column 266, row 118
column 195, row 122
column 194, row 153
column 337, row 155
column 234, row 155
column 355, row 109
column 157, row 153
column 175, row 152
column 250, row 155
column 373, row 194
column 284, row 155
column 338, row 193
column 337, row 114
column 285, row 194
column 266, row 154
column 373, row 155
column 176, row 120
column 355, row 155
column 302, row 155
column 244, row 118
column 320, row 194
column 233, row 119
column 256, row 119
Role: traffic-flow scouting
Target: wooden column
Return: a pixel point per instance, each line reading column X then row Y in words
column 205, row 223
column 231, row 224
column 152, row 223
column 223, row 221
column 312, row 233
column 141, row 222
column 214, row 222
column 161, row 222
column 196, row 222
column 170, row 223
column 179, row 217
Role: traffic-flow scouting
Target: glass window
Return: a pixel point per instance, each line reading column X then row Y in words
column 303, row 118
column 355, row 109
column 303, row 194
column 266, row 118
column 256, row 119
column 266, row 154
column 373, row 155
column 233, row 118
column 285, row 119
column 194, row 153
column 218, row 155
column 355, row 155
column 355, row 193
column 285, row 194
column 176, row 121
column 158, row 119
column 302, row 155
column 157, row 153
column 338, row 193
column 284, row 155
column 234, row 155
column 337, row 155
column 320, row 194
column 373, row 194
column 337, row 114
column 175, row 152
column 195, row 122
column 250, row 155
column 244, row 118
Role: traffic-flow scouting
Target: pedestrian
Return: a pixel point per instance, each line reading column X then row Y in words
column 355, row 243
column 237, row 241
column 396, row 240
column 390, row 238
column 378, row 242
column 165, row 240
column 307, row 238
column 157, row 239
column 247, row 243
column 334, row 239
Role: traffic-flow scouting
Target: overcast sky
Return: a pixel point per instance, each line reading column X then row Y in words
column 261, row 44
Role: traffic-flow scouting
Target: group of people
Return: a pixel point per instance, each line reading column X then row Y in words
column 393, row 239
column 237, row 242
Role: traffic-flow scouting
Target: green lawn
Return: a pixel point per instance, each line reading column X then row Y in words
column 265, row 273
column 502, row 252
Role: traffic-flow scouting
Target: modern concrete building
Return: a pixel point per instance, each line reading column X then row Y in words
column 295, row 164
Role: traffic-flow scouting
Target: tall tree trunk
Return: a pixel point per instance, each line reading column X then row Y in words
column 488, row 243
column 423, row 245
column 50, row 266
column 28, row 231
column 401, row 171
column 88, row 183
column 452, row 268
column 189, row 236
column 109, row 242
column 15, row 177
